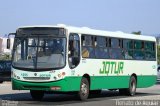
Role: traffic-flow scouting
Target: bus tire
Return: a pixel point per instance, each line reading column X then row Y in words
column 132, row 86
column 84, row 89
column 37, row 94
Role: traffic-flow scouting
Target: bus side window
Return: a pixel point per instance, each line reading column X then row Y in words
column 101, row 50
column 74, row 50
column 150, row 53
column 139, row 50
column 88, row 44
column 115, row 50
column 85, row 52
column 127, row 49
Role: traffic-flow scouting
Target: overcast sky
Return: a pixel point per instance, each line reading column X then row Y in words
column 111, row 15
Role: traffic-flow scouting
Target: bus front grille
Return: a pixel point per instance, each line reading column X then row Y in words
column 36, row 87
column 36, row 78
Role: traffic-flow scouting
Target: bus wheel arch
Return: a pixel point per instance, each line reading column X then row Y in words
column 88, row 78
column 134, row 76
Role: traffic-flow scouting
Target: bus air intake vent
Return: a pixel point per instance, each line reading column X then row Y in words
column 36, row 78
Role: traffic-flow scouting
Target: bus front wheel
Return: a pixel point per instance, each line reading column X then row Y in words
column 84, row 89
column 36, row 94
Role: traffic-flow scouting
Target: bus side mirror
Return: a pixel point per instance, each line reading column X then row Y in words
column 8, row 43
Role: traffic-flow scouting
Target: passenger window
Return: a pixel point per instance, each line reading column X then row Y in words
column 127, row 44
column 139, row 50
column 150, row 51
column 127, row 49
column 149, row 46
column 115, row 43
column 88, row 45
column 74, row 50
column 115, row 50
column 138, row 55
column 87, row 40
column 139, row 45
column 101, row 41
column 115, row 53
column 101, row 50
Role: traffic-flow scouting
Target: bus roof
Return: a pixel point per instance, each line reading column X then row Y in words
column 119, row 34
column 89, row 31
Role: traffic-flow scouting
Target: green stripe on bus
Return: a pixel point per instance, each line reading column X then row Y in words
column 110, row 82
column 97, row 82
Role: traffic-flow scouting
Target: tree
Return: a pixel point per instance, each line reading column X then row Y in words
column 158, row 54
column 137, row 33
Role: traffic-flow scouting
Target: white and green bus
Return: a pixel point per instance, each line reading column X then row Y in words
column 82, row 60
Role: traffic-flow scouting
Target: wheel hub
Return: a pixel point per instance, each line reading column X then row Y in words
column 84, row 89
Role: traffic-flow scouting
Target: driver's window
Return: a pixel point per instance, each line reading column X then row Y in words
column 73, row 50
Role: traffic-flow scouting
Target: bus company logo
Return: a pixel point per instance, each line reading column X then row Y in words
column 35, row 74
column 110, row 67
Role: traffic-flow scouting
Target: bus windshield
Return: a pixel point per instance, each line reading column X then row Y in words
column 39, row 52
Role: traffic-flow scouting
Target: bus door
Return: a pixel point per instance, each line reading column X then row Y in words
column 74, row 50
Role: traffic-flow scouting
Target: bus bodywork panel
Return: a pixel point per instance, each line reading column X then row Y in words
column 116, row 82
column 103, row 73
column 73, row 83
column 101, row 76
column 66, row 84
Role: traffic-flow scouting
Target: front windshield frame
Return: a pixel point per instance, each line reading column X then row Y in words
column 35, row 69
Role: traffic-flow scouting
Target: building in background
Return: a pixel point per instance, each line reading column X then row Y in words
column 5, row 59
column 3, row 45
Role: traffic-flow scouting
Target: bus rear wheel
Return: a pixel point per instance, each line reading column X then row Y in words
column 84, row 89
column 132, row 88
column 37, row 95
column 131, row 91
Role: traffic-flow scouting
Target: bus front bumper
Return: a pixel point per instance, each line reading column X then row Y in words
column 66, row 84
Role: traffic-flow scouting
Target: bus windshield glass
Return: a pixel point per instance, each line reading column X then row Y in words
column 39, row 52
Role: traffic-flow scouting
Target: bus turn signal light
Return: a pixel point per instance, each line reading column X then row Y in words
column 63, row 73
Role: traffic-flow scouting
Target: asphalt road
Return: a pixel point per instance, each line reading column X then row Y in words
column 144, row 97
